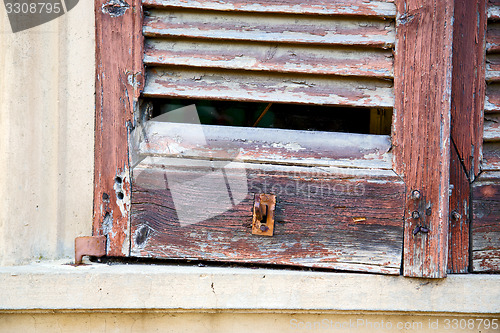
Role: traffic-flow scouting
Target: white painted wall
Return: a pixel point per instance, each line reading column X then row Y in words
column 46, row 135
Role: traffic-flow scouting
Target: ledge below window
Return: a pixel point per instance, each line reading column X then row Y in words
column 57, row 286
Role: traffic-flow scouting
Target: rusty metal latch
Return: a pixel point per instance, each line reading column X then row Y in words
column 89, row 246
column 263, row 214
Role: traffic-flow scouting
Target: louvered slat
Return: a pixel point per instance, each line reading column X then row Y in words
column 305, row 59
column 269, row 28
column 256, row 87
column 382, row 8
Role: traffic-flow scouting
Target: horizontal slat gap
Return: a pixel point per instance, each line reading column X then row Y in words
column 493, row 67
column 492, row 98
column 259, row 87
column 381, row 8
column 493, row 37
column 264, row 145
column 491, row 156
column 493, row 12
column 294, row 29
column 491, row 127
column 271, row 57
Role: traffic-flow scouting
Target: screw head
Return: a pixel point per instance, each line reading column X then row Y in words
column 264, row 228
column 455, row 215
column 416, row 230
column 415, row 215
column 415, row 194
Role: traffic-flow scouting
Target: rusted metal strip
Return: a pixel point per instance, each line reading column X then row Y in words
column 119, row 79
column 267, row 145
column 270, row 28
column 270, row 57
column 257, row 87
column 89, row 246
column 421, row 136
column 381, row 8
column 339, row 218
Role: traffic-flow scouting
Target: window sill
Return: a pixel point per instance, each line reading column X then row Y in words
column 55, row 286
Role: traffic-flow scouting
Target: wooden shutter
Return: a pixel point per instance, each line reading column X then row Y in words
column 317, row 52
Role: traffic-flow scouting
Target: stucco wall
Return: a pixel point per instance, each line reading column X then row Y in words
column 46, row 167
column 46, row 135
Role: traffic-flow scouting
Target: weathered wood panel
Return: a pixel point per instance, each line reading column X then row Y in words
column 270, row 28
column 492, row 127
column 458, row 253
column 486, row 223
column 421, row 136
column 468, row 83
column 347, row 219
column 258, row 87
column 264, row 145
column 491, row 156
column 119, row 78
column 305, row 59
column 382, row 8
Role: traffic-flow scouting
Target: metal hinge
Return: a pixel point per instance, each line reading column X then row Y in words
column 89, row 246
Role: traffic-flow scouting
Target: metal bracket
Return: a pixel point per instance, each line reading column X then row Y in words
column 263, row 214
column 89, row 246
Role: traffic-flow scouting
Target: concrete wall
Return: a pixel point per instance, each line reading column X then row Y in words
column 46, row 135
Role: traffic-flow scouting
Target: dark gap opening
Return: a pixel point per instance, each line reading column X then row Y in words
column 283, row 116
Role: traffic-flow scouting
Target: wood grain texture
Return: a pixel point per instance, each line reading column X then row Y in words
column 458, row 248
column 486, row 223
column 269, row 28
column 264, row 145
column 468, row 82
column 421, row 136
column 267, row 87
column 491, row 127
column 381, row 8
column 119, row 78
column 274, row 57
column 347, row 219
